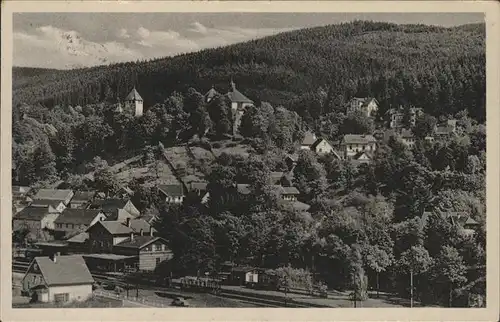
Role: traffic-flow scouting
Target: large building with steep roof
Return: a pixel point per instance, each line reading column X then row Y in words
column 58, row 279
column 352, row 144
column 368, row 106
column 239, row 105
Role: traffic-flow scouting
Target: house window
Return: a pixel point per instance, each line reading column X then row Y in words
column 158, row 260
column 61, row 297
column 67, row 225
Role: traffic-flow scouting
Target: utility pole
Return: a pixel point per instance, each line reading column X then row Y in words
column 355, row 288
column 411, row 288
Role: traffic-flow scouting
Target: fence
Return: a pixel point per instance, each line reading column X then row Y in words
column 138, row 300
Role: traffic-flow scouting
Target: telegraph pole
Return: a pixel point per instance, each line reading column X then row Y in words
column 411, row 288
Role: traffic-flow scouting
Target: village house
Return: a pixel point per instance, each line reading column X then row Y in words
column 322, row 147
column 116, row 209
column 124, row 193
column 58, row 279
column 352, row 144
column 82, row 199
column 296, row 205
column 362, row 157
column 61, row 195
column 239, row 103
column 397, row 116
column 52, row 205
column 148, row 251
column 103, row 235
column 172, row 193
column 78, row 244
column 408, row 138
column 20, row 198
column 74, row 220
column 35, row 219
column 209, row 96
column 309, row 139
column 280, row 178
column 466, row 224
column 446, row 131
column 367, row 105
column 288, row 193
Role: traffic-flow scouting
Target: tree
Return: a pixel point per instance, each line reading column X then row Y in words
column 310, row 176
column 220, row 114
column 357, row 123
column 416, row 261
column 106, row 181
column 424, row 126
column 377, row 260
column 44, row 162
column 449, row 268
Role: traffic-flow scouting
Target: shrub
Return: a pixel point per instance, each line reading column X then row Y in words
column 216, row 145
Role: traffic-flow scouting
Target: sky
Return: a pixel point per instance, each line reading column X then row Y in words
column 71, row 40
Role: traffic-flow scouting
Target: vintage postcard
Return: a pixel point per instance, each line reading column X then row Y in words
column 250, row 161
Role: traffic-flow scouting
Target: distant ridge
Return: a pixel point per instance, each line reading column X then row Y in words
column 274, row 68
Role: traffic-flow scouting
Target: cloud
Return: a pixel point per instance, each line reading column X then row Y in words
column 165, row 39
column 123, row 33
column 198, row 27
column 51, row 47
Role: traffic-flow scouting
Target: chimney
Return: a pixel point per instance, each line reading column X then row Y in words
column 53, row 257
column 128, row 222
column 131, row 236
column 141, row 231
column 151, row 231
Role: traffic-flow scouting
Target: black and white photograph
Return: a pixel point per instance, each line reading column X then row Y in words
column 248, row 160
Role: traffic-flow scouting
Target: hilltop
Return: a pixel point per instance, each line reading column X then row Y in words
column 350, row 58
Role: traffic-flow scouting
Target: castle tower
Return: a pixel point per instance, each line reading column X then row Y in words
column 134, row 103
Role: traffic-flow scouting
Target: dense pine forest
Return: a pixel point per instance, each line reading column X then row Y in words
column 439, row 69
column 365, row 227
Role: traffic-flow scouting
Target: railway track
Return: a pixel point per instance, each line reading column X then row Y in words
column 103, row 278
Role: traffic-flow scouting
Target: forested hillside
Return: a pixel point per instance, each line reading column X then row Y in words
column 369, row 226
column 439, row 69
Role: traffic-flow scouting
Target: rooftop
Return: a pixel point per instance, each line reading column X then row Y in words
column 290, row 191
column 172, row 190
column 309, row 138
column 32, row 213
column 405, row 133
column 211, row 94
column 317, row 142
column 80, row 238
column 139, row 224
column 139, row 241
column 358, row 139
column 236, row 96
column 53, row 194
column 66, row 270
column 363, row 101
column 112, row 257
column 77, row 216
column 83, row 196
column 133, row 96
column 108, row 204
column 45, row 203
column 114, row 227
